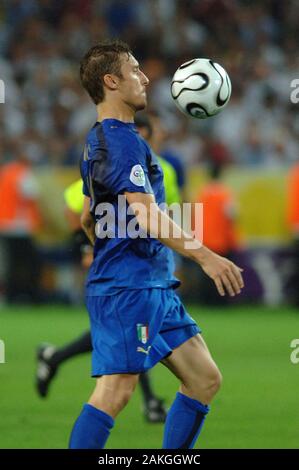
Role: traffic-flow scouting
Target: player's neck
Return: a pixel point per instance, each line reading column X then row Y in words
column 119, row 111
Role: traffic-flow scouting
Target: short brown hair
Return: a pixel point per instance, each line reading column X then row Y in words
column 98, row 61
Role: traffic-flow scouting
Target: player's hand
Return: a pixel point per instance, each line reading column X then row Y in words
column 225, row 274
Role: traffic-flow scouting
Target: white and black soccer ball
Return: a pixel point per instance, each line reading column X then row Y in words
column 201, row 88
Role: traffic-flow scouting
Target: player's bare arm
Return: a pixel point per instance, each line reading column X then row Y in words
column 225, row 274
column 87, row 221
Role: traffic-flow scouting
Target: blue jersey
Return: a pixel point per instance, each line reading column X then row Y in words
column 117, row 160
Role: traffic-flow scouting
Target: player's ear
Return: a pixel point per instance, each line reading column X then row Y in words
column 110, row 81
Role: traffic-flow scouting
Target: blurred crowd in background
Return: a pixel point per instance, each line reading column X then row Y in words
column 46, row 110
column 46, row 115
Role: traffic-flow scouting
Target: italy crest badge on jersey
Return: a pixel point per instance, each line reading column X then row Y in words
column 142, row 332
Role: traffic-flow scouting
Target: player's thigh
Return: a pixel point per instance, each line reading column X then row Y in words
column 192, row 361
column 115, row 387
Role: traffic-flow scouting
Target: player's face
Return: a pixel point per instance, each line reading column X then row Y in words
column 133, row 85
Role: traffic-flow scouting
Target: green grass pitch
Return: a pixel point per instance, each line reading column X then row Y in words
column 257, row 406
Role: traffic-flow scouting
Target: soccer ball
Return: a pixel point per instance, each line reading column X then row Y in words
column 201, row 88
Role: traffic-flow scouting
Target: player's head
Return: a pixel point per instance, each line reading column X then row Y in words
column 109, row 71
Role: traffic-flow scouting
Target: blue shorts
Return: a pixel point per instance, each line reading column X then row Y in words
column 133, row 330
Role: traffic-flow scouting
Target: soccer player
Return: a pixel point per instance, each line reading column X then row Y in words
column 49, row 357
column 136, row 318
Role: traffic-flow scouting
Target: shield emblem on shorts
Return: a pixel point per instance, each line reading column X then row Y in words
column 142, row 332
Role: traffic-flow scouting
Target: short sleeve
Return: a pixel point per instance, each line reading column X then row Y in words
column 124, row 167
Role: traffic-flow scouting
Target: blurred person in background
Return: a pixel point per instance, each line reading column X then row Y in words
column 20, row 219
column 166, row 154
column 219, row 226
column 79, row 244
column 148, row 125
column 172, row 166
